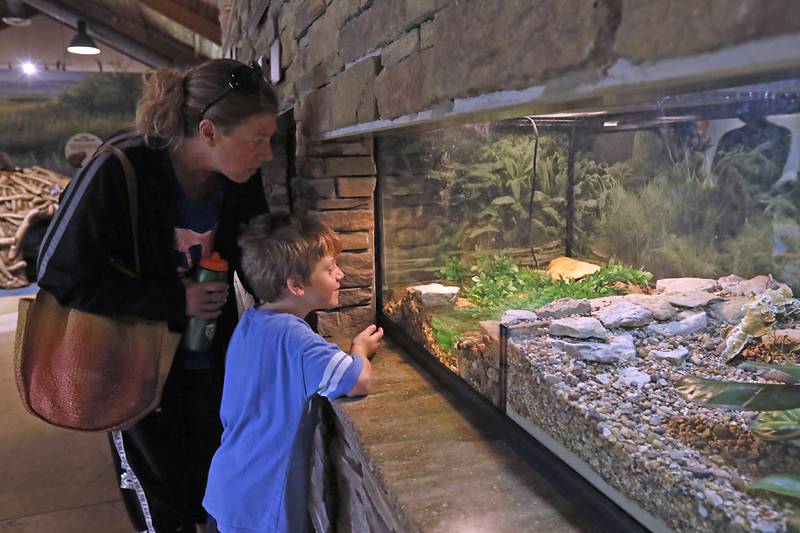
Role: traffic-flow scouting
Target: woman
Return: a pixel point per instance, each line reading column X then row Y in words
column 201, row 137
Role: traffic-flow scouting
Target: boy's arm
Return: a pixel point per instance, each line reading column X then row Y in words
column 365, row 344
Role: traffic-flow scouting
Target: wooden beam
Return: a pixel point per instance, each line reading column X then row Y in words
column 181, row 53
column 186, row 18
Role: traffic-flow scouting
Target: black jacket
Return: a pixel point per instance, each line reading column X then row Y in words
column 92, row 230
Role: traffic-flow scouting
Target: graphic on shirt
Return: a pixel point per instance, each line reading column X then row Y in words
column 191, row 247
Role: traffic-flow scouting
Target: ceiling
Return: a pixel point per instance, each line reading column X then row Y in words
column 152, row 32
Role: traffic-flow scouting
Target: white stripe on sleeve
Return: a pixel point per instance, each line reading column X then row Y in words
column 343, row 366
column 330, row 368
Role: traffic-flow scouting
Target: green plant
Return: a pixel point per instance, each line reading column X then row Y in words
column 445, row 335
column 779, row 419
column 453, row 270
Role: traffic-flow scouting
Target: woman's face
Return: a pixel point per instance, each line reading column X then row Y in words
column 241, row 153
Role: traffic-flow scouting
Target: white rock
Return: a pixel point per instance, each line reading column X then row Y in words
column 656, row 304
column 619, row 348
column 689, row 323
column 686, row 284
column 604, row 301
column 690, row 299
column 513, row 317
column 603, row 378
column 624, row 314
column 435, row 294
column 579, row 327
column 632, row 376
column 675, row 357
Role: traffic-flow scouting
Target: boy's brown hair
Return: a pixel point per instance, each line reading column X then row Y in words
column 277, row 247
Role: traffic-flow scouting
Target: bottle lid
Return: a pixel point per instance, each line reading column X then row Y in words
column 215, row 262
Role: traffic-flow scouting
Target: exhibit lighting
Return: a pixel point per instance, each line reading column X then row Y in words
column 28, row 68
column 82, row 44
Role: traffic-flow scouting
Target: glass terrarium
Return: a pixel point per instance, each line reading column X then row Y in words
column 619, row 282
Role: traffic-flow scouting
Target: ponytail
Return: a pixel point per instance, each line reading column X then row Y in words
column 159, row 114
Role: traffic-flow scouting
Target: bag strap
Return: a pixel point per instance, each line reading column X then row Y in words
column 133, row 199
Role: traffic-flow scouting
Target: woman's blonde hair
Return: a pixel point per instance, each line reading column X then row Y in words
column 169, row 110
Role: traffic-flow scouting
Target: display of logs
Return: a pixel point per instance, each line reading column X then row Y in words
column 26, row 196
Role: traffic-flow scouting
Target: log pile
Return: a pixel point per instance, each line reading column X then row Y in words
column 26, row 195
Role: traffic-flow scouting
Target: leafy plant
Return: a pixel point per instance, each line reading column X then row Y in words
column 778, row 421
column 453, row 270
column 445, row 335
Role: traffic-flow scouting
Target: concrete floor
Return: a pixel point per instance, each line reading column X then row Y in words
column 51, row 480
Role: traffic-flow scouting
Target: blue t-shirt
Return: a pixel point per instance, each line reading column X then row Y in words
column 258, row 481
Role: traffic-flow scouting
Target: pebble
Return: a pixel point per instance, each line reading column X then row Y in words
column 655, row 420
column 702, row 511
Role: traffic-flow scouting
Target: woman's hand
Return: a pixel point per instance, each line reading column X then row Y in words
column 205, row 299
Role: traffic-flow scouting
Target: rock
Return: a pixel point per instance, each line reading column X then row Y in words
column 435, row 294
column 730, row 311
column 690, row 299
column 751, row 287
column 604, row 301
column 787, row 338
column 689, row 323
column 603, row 379
column 580, row 327
column 632, row 376
column 570, row 269
column 563, row 308
column 464, row 303
column 675, row 357
column 513, row 317
column 624, row 314
column 686, row 284
column 727, row 282
column 619, row 348
column 490, row 328
column 656, row 304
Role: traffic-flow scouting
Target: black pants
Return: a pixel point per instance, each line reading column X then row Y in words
column 163, row 460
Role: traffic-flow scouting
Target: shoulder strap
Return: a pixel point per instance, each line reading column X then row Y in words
column 133, row 199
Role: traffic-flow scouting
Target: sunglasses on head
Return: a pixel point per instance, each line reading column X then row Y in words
column 244, row 79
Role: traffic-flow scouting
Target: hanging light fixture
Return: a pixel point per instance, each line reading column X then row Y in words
column 82, row 44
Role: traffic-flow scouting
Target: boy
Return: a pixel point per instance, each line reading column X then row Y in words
column 275, row 365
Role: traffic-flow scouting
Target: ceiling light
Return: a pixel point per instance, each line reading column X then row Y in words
column 82, row 44
column 29, row 68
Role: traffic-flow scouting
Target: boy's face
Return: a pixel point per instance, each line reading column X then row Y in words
column 323, row 287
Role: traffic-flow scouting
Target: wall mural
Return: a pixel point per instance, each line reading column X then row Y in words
column 50, row 124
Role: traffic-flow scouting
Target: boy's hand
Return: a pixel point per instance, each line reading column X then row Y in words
column 204, row 299
column 366, row 342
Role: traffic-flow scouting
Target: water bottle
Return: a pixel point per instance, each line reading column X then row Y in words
column 199, row 332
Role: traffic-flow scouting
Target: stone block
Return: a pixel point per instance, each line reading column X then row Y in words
column 404, row 46
column 474, row 43
column 345, row 148
column 358, row 269
column 426, row 35
column 654, row 30
column 320, row 74
column 357, row 240
column 407, row 86
column 347, row 9
column 328, row 323
column 331, row 204
column 313, row 190
column 315, row 111
column 310, row 167
column 305, row 13
column 356, row 296
column 355, row 187
column 350, row 166
column 354, row 93
column 346, row 220
column 322, row 37
column 357, row 317
column 381, row 23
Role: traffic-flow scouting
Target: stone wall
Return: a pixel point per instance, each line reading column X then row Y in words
column 335, row 183
column 354, row 61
